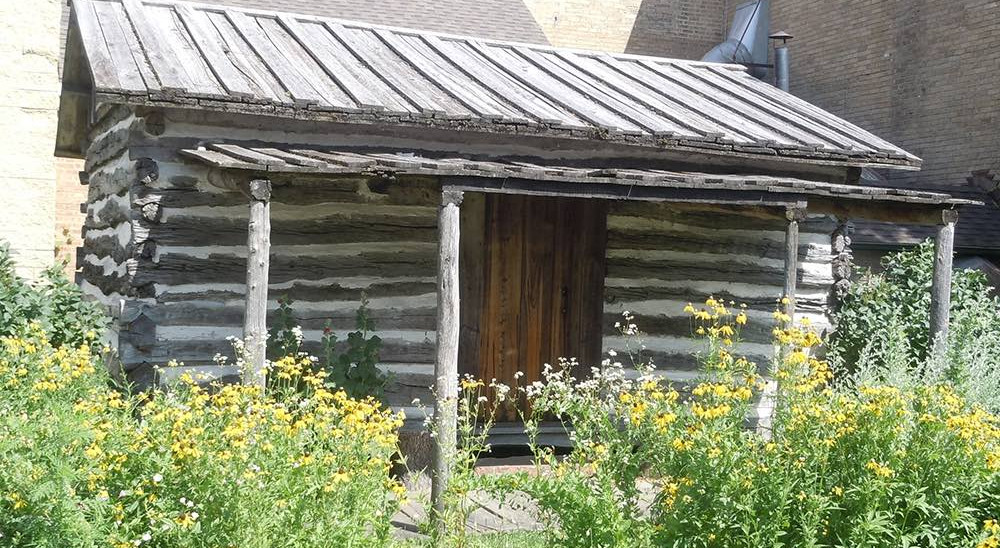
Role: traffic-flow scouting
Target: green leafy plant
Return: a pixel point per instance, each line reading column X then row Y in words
column 351, row 365
column 54, row 302
column 86, row 466
column 839, row 464
column 356, row 368
column 883, row 325
column 284, row 338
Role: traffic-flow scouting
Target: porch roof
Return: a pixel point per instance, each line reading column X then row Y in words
column 168, row 53
column 516, row 175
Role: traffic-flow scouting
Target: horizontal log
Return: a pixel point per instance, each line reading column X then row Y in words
column 108, row 245
column 332, row 229
column 175, row 269
column 346, row 189
column 202, row 352
column 404, row 387
column 906, row 213
column 107, row 283
column 678, row 325
column 107, row 145
column 667, row 361
column 674, row 269
column 719, row 216
column 109, row 115
column 114, row 177
column 109, row 212
column 370, row 189
column 761, row 297
column 749, row 243
column 341, row 316
column 303, row 291
column 179, row 198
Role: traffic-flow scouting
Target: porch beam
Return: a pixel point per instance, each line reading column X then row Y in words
column 892, row 209
column 794, row 215
column 873, row 210
column 446, row 363
column 258, row 255
column 618, row 191
column 944, row 250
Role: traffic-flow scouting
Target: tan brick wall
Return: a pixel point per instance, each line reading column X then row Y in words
column 684, row 29
column 920, row 73
column 681, row 29
column 586, row 24
column 69, row 220
column 29, row 95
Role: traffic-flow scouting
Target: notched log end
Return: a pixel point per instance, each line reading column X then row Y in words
column 949, row 216
column 260, row 190
column 147, row 171
column 152, row 212
column 452, row 197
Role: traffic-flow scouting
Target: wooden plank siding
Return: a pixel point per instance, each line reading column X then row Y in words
column 538, row 294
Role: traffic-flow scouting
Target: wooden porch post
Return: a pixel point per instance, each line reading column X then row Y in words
column 944, row 248
column 258, row 252
column 794, row 216
column 446, row 364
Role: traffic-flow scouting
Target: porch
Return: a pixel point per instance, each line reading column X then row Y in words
column 483, row 322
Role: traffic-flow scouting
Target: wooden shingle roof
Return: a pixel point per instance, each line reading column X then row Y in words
column 496, row 19
column 222, row 58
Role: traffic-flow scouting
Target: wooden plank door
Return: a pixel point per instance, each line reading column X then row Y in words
column 533, row 285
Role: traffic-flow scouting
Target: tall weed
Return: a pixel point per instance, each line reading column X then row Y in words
column 860, row 464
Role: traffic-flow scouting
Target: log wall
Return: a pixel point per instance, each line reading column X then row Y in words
column 663, row 256
column 165, row 250
column 332, row 241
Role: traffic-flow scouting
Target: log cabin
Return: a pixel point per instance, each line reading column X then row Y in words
column 500, row 204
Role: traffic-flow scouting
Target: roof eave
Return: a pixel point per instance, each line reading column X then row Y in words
column 655, row 142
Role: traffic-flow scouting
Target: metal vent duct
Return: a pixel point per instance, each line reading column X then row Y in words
column 747, row 41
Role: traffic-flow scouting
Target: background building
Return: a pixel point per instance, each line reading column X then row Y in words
column 40, row 209
column 922, row 74
column 683, row 29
